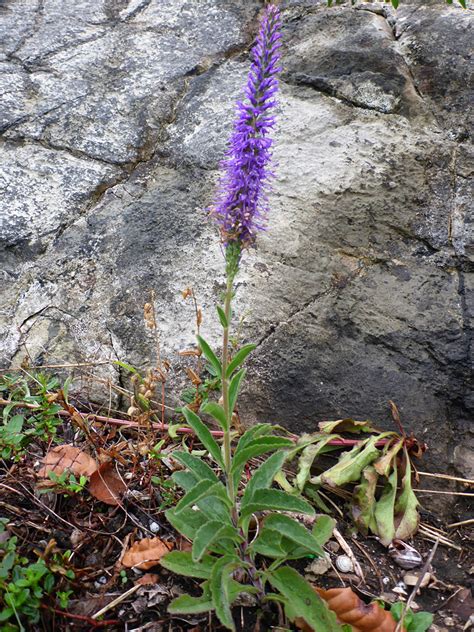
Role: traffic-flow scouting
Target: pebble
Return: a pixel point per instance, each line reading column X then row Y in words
column 154, row 527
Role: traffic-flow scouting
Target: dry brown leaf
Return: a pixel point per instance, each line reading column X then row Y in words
column 148, row 578
column 352, row 610
column 67, row 457
column 106, row 485
column 146, row 553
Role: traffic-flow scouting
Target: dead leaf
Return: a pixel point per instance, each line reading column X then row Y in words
column 146, row 553
column 67, row 457
column 106, row 485
column 148, row 578
column 350, row 609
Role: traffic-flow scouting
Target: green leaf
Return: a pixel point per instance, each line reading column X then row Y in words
column 15, row 425
column 259, row 430
column 185, row 604
column 209, row 533
column 406, row 515
column 323, row 529
column 275, row 500
column 385, row 463
column 204, row 435
column 256, row 448
column 215, row 509
column 264, row 475
column 294, row 531
column 182, row 563
column 363, row 501
column 347, row 425
column 302, row 601
column 419, row 622
column 268, row 543
column 234, row 388
column 217, row 412
column 220, row 584
column 305, row 462
column 463, row 4
column 222, row 317
column 395, row 3
column 187, row 522
column 239, row 358
column 186, row 480
column 210, row 355
column 127, row 367
column 200, row 491
column 384, row 509
column 351, row 464
column 197, row 466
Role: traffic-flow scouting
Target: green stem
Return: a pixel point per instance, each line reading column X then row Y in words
column 225, row 389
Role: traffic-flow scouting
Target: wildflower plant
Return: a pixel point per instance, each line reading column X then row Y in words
column 229, row 537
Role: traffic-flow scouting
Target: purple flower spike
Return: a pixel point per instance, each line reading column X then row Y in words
column 241, row 204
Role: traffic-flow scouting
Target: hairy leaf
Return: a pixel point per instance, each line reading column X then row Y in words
column 239, row 358
column 204, row 435
column 275, row 500
column 200, row 491
column 363, row 501
column 186, row 480
column 182, row 563
column 406, row 515
column 187, row 522
column 306, row 460
column 259, row 430
column 210, row 355
column 222, row 317
column 346, row 425
column 301, row 600
column 256, row 448
column 197, row 466
column 351, row 464
column 294, row 531
column 384, row 510
column 211, row 532
column 220, row 584
column 264, row 475
column 234, row 388
column 384, row 464
column 323, row 529
column 217, row 412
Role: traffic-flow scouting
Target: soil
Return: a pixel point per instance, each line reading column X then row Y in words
column 98, row 534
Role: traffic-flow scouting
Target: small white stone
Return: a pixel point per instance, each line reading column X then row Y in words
column 154, row 527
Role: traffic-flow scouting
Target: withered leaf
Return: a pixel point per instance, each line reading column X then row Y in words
column 146, row 553
column 350, row 609
column 67, row 457
column 106, row 485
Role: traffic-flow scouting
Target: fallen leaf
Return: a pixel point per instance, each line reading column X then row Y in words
column 146, row 579
column 146, row 553
column 106, row 485
column 346, row 425
column 350, row 609
column 67, row 457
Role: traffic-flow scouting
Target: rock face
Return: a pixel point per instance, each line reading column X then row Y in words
column 114, row 116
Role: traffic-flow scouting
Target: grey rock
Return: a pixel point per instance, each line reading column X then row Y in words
column 114, row 118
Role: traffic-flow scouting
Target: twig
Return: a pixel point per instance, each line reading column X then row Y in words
column 60, row 366
column 116, row 601
column 81, row 617
column 348, row 551
column 371, row 562
column 439, row 491
column 417, row 586
column 460, row 524
column 448, row 477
